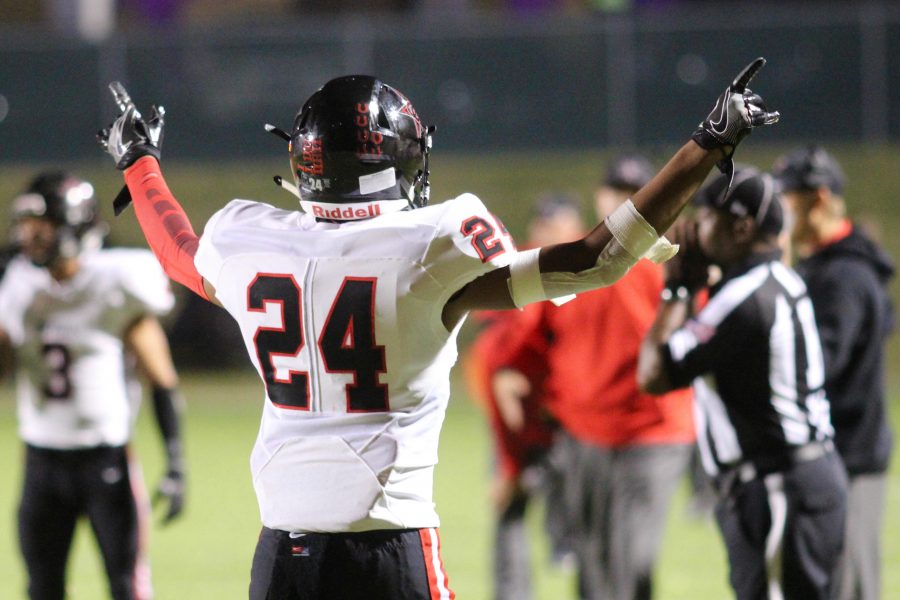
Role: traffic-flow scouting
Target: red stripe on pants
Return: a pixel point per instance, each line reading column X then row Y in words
column 437, row 578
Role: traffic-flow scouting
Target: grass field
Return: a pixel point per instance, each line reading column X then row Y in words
column 206, row 555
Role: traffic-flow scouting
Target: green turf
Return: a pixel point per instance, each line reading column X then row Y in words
column 207, row 553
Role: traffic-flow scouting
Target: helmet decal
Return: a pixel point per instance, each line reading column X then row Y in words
column 312, row 157
column 408, row 111
column 368, row 139
column 382, row 180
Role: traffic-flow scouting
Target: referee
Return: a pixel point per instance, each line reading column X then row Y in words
column 754, row 357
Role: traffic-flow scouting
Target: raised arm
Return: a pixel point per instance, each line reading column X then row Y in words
column 134, row 145
column 606, row 253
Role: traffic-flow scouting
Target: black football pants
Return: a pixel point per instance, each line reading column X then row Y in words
column 62, row 485
column 370, row 565
column 784, row 532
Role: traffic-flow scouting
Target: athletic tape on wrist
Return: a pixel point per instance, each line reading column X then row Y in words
column 630, row 229
column 637, row 236
column 661, row 251
column 633, row 238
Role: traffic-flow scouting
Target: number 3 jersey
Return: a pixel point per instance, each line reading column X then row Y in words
column 343, row 323
column 68, row 341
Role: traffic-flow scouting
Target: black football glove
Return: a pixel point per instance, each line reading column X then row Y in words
column 166, row 401
column 130, row 137
column 737, row 111
column 171, row 488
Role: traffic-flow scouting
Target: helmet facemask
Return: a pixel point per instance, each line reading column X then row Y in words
column 68, row 203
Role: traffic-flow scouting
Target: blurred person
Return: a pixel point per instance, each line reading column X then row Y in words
column 74, row 316
column 556, row 219
column 626, row 174
column 625, row 450
column 505, row 369
column 350, row 312
column 755, row 360
column 847, row 275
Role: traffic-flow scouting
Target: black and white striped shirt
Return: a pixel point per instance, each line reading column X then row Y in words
column 755, row 359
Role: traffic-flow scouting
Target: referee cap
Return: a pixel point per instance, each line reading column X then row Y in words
column 752, row 194
column 809, row 169
column 628, row 172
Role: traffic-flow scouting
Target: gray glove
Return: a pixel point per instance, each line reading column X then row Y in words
column 737, row 111
column 130, row 137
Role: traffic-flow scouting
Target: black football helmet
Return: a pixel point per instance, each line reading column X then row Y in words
column 358, row 149
column 69, row 203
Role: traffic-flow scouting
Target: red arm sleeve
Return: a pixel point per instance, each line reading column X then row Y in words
column 165, row 224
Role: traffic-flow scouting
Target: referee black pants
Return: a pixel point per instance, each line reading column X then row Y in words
column 62, row 485
column 784, row 531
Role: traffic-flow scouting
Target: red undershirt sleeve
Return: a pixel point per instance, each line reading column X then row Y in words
column 165, row 225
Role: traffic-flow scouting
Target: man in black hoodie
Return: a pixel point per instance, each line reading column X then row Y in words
column 846, row 274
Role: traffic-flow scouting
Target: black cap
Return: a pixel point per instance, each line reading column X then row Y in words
column 628, row 172
column 809, row 169
column 752, row 194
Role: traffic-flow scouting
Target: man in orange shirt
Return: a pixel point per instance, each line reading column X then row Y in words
column 505, row 369
column 628, row 450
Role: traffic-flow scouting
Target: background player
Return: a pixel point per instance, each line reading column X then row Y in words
column 71, row 312
column 350, row 313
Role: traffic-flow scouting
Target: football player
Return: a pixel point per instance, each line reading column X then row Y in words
column 350, row 311
column 75, row 317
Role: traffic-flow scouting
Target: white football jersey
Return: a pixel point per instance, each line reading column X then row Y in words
column 343, row 323
column 68, row 340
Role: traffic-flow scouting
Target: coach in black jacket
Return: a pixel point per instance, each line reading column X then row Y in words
column 846, row 274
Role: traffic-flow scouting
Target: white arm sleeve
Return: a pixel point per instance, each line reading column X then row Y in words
column 525, row 281
column 633, row 239
column 637, row 236
column 612, row 264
